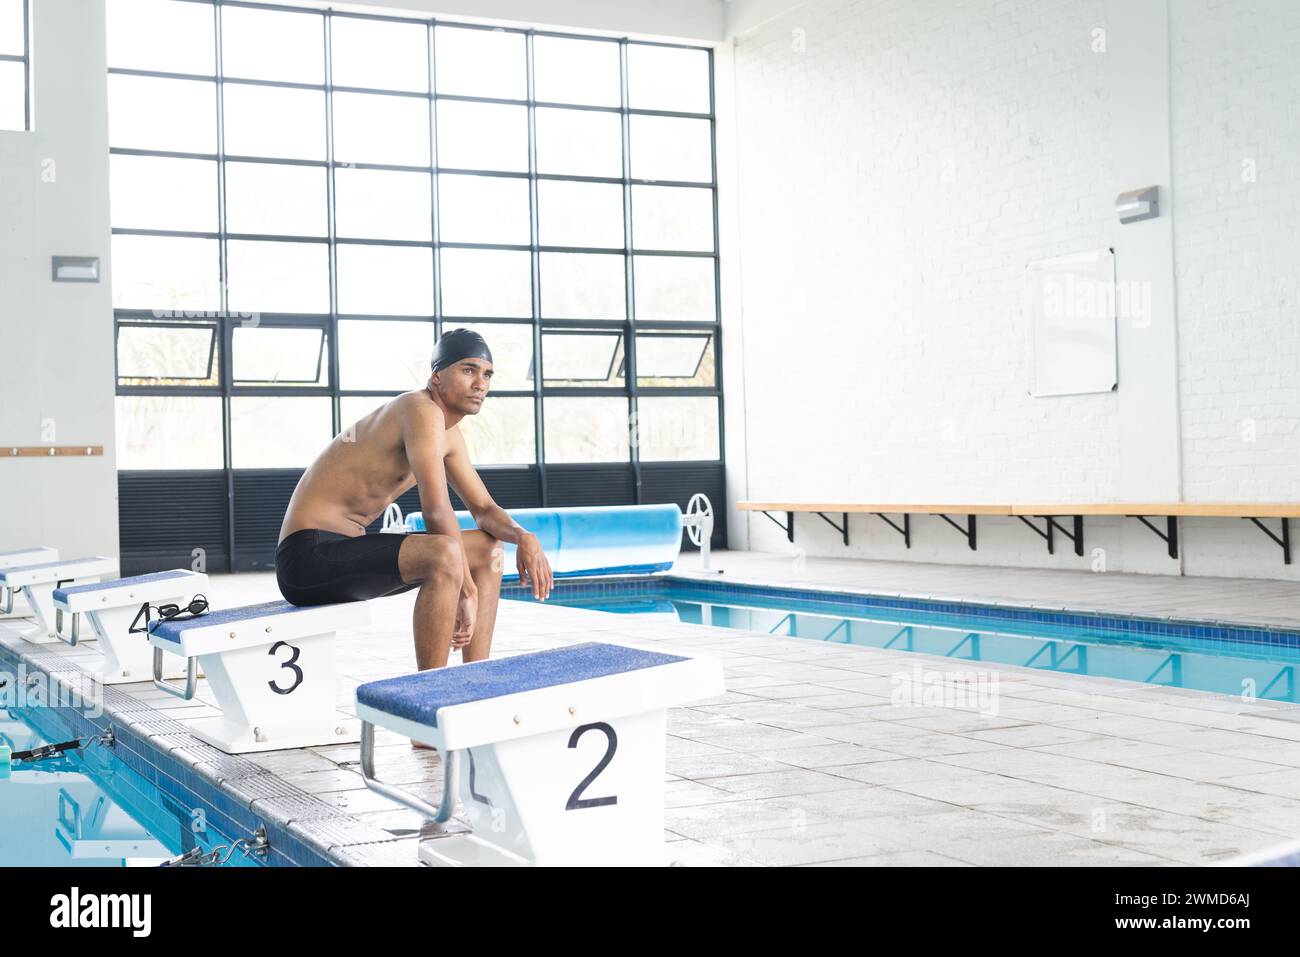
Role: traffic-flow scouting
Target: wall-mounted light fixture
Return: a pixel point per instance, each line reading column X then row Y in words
column 1138, row 204
column 75, row 269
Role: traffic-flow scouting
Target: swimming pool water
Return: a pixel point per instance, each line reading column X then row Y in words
column 1239, row 668
column 85, row 809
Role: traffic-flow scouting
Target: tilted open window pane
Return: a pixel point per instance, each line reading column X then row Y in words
column 582, row 357
column 675, row 360
column 286, row 355
column 164, row 354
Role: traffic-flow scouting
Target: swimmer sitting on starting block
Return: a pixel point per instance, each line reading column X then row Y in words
column 325, row 556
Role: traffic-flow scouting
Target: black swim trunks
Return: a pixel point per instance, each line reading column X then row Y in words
column 316, row 567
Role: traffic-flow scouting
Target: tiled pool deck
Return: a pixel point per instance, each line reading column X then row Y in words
column 805, row 759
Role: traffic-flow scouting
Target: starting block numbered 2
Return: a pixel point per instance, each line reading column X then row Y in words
column 556, row 757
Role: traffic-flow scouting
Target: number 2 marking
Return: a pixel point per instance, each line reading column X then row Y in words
column 576, row 801
column 297, row 672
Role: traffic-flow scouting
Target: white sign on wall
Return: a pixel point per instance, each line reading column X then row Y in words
column 1069, row 305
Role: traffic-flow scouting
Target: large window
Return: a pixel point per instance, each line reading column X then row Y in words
column 302, row 200
column 15, row 66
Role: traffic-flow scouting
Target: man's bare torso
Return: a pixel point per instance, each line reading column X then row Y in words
column 358, row 475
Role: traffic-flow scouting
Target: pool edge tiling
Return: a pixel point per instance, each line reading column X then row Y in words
column 236, row 795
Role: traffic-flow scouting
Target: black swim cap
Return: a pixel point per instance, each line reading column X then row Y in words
column 459, row 344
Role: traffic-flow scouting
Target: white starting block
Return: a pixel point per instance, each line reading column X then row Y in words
column 22, row 556
column 556, row 756
column 38, row 582
column 271, row 668
column 112, row 607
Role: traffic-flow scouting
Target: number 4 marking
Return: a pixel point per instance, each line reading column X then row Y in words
column 576, row 801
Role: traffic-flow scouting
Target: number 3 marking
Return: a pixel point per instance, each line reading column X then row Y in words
column 576, row 801
column 297, row 672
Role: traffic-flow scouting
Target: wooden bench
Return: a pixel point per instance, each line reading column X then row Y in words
column 1050, row 514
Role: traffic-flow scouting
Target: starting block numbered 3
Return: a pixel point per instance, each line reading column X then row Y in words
column 556, row 757
column 271, row 670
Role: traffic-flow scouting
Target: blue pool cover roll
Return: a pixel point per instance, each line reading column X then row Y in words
column 594, row 539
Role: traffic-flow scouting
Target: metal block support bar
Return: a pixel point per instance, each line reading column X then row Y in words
column 450, row 781
column 1052, row 527
column 788, row 527
column 968, row 531
column 844, row 531
column 905, row 531
column 1284, row 541
column 1169, row 536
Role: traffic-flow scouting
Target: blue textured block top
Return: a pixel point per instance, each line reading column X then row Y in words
column 171, row 630
column 16, row 569
column 61, row 594
column 418, row 697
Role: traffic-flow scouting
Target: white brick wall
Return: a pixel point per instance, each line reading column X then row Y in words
column 1236, row 144
column 900, row 161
